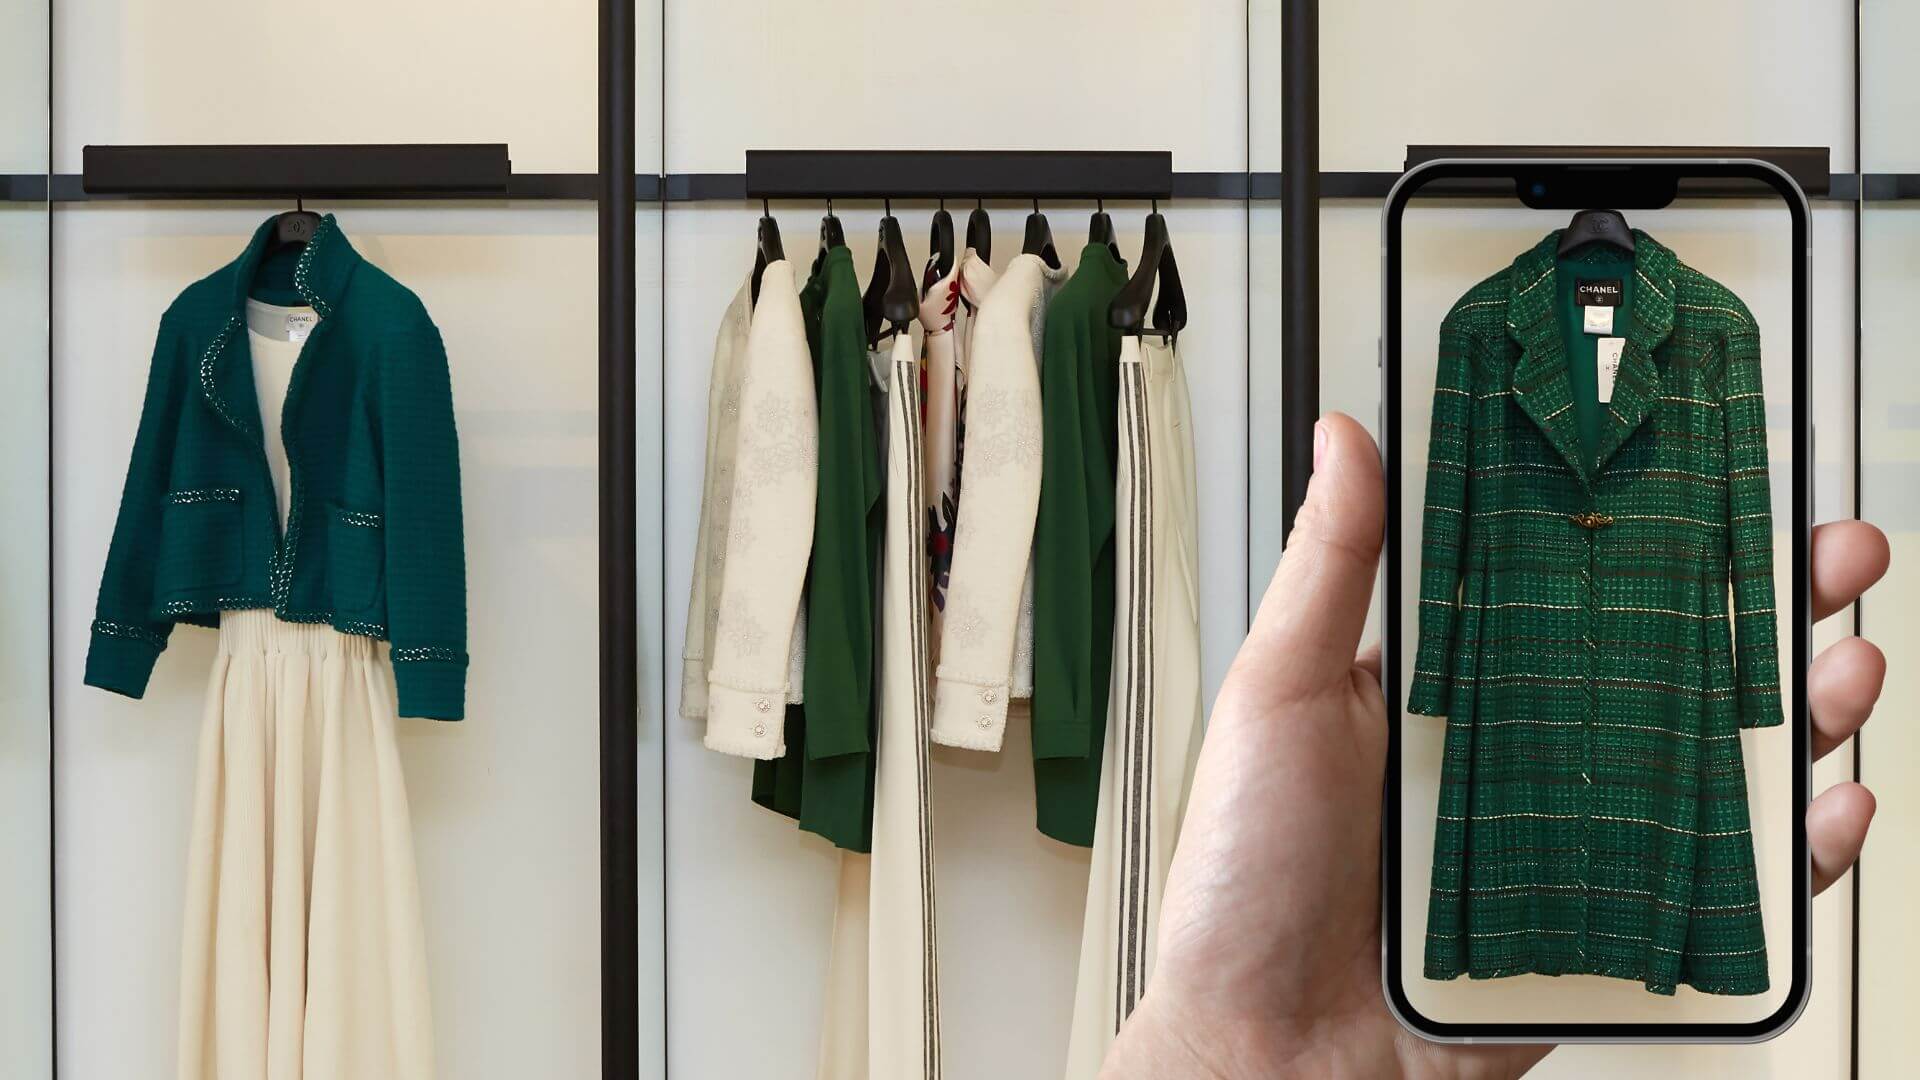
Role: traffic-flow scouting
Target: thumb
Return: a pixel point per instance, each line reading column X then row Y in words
column 1303, row 638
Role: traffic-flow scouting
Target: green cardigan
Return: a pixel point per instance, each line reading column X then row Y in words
column 372, row 543
column 1577, row 633
column 1073, row 577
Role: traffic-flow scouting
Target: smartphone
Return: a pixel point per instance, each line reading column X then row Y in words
column 1595, row 422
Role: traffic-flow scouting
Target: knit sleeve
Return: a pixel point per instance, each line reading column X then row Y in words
column 840, row 582
column 1750, row 531
column 127, row 636
column 1445, row 521
column 426, row 566
column 1067, row 537
column 771, row 517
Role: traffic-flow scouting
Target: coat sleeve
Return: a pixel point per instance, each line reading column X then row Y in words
column 1068, row 533
column 841, row 580
column 999, row 500
column 426, row 565
column 771, row 517
column 1750, row 530
column 1445, row 521
column 127, row 637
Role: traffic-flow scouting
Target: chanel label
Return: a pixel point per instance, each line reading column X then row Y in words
column 300, row 324
column 1598, row 292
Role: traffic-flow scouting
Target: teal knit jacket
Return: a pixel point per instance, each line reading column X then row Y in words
column 372, row 543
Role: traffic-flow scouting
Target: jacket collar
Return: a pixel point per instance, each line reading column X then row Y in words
column 317, row 277
column 1540, row 382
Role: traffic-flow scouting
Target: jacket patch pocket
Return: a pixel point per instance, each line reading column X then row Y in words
column 201, row 544
column 356, row 558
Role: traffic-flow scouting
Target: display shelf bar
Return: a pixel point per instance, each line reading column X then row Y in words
column 732, row 187
column 311, row 171
column 904, row 174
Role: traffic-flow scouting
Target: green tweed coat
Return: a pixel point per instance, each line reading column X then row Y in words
column 1575, row 628
column 372, row 543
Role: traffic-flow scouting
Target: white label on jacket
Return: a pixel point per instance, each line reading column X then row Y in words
column 300, row 324
column 1599, row 319
column 1609, row 363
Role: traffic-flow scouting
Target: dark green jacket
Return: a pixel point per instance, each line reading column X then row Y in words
column 1073, row 577
column 1597, row 623
column 373, row 541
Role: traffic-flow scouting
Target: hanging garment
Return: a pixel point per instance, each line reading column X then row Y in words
column 824, row 777
column 303, row 953
column 1073, row 547
column 1153, row 739
column 940, row 314
column 771, row 500
column 726, row 384
column 890, row 894
column 986, row 654
column 372, row 542
column 1575, row 630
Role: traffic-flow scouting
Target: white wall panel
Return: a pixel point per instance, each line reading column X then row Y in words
column 520, row 72
column 26, row 950
column 923, row 74
column 1890, row 431
column 1650, row 73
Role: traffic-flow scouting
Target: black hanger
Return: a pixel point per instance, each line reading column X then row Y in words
column 891, row 295
column 293, row 228
column 831, row 234
column 1128, row 312
column 980, row 231
column 1607, row 227
column 1100, row 229
column 1039, row 239
column 768, row 250
column 939, row 249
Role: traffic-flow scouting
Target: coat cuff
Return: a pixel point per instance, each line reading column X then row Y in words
column 746, row 723
column 1429, row 695
column 433, row 689
column 120, row 661
column 968, row 714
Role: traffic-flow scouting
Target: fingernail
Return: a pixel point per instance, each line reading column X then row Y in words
column 1319, row 442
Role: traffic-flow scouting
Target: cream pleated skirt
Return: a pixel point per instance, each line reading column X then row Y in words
column 303, row 956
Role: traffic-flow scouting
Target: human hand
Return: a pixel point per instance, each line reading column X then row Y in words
column 1269, row 948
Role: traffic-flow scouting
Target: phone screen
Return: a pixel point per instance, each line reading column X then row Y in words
column 1597, row 445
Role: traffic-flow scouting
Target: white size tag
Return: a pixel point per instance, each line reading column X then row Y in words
column 1609, row 364
column 1599, row 319
column 300, row 324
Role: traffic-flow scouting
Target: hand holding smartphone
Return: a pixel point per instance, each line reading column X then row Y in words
column 1598, row 618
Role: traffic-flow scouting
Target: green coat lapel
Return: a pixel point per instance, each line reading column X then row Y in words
column 1636, row 387
column 1540, row 382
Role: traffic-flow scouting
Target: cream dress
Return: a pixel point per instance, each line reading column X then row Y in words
column 303, row 955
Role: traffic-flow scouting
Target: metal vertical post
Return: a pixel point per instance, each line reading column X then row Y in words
column 1300, row 249
column 619, row 554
